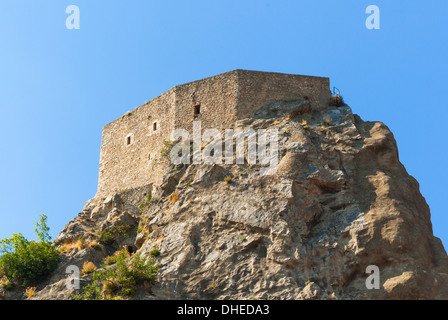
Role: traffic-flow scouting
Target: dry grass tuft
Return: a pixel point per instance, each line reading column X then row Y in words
column 88, row 267
column 30, row 291
column 174, row 197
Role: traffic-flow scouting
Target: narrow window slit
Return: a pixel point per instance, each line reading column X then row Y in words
column 197, row 109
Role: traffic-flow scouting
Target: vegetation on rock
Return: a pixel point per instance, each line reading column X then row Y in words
column 26, row 261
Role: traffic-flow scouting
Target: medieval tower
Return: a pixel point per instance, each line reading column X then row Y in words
column 131, row 145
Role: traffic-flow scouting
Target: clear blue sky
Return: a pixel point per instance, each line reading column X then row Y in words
column 58, row 87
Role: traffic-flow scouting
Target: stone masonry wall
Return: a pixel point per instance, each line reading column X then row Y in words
column 125, row 166
column 130, row 148
column 256, row 89
column 217, row 97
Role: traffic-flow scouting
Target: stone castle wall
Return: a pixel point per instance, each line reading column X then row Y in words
column 217, row 97
column 130, row 148
column 256, row 89
column 124, row 165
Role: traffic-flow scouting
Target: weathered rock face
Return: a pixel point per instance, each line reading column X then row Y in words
column 339, row 202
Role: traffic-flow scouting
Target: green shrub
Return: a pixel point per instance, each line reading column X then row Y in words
column 166, row 149
column 143, row 269
column 122, row 278
column 6, row 284
column 142, row 224
column 228, row 179
column 154, row 252
column 96, row 246
column 114, row 258
column 90, row 292
column 109, row 236
column 146, row 203
column 28, row 262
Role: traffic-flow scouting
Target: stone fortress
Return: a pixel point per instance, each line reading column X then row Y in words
column 131, row 145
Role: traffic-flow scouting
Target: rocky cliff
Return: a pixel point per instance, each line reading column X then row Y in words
column 339, row 202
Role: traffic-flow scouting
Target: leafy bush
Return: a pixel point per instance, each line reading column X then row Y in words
column 154, row 252
column 28, row 262
column 141, row 226
column 90, row 292
column 121, row 279
column 109, row 236
column 142, row 269
column 95, row 245
column 6, row 284
column 146, row 203
column 114, row 258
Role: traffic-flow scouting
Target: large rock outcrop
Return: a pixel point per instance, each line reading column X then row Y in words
column 339, row 202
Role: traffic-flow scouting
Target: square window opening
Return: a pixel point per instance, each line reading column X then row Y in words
column 197, row 109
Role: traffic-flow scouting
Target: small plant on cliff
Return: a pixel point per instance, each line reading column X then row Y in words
column 212, row 286
column 69, row 245
column 141, row 226
column 95, row 245
column 145, row 203
column 109, row 236
column 114, row 258
column 174, row 197
column 120, row 279
column 30, row 291
column 337, row 101
column 304, row 124
column 25, row 261
column 166, row 149
column 88, row 267
column 6, row 284
column 228, row 179
column 90, row 292
column 154, row 252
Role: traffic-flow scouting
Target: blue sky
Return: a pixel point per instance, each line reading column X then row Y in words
column 58, row 87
